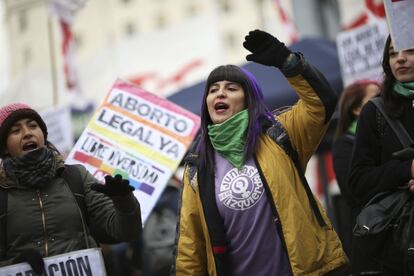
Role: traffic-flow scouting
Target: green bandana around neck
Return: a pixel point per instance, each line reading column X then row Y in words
column 228, row 138
column 352, row 127
column 405, row 89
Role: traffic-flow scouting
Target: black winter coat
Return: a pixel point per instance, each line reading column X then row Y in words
column 373, row 169
column 342, row 153
column 48, row 219
column 346, row 208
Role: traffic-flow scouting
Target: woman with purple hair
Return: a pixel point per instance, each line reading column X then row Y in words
column 244, row 208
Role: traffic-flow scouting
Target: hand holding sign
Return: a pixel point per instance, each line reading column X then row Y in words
column 33, row 258
column 114, row 186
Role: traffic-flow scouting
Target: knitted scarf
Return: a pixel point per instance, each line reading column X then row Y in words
column 34, row 169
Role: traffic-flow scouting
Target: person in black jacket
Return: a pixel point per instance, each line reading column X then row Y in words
column 353, row 98
column 373, row 168
column 42, row 217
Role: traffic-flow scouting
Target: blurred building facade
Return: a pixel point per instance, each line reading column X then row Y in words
column 151, row 42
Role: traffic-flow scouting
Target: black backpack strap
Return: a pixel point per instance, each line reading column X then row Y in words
column 3, row 220
column 73, row 178
column 395, row 125
column 191, row 160
column 279, row 134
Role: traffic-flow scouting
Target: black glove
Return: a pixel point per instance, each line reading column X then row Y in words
column 266, row 49
column 34, row 259
column 114, row 186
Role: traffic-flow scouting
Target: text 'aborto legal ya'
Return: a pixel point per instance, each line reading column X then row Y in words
column 164, row 120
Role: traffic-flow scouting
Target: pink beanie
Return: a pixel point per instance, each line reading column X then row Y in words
column 11, row 113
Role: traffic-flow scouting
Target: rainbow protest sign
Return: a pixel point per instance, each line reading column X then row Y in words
column 138, row 135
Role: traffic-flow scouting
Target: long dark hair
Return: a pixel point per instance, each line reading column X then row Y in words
column 351, row 98
column 392, row 102
column 254, row 100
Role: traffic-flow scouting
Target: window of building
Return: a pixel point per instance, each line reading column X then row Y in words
column 26, row 56
column 230, row 40
column 192, row 10
column 225, row 5
column 161, row 20
column 78, row 41
column 22, row 20
column 130, row 29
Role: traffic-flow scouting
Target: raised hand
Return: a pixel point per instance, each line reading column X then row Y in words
column 265, row 49
column 34, row 259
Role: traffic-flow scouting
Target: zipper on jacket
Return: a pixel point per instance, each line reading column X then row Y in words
column 43, row 222
column 276, row 219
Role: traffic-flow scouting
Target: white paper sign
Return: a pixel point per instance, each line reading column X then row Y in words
column 400, row 19
column 360, row 52
column 138, row 135
column 87, row 262
column 59, row 127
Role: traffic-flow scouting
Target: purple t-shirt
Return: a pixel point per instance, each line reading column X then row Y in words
column 255, row 246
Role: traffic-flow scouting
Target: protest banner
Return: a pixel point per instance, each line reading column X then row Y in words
column 59, row 127
column 360, row 52
column 139, row 135
column 87, row 262
column 80, row 116
column 399, row 15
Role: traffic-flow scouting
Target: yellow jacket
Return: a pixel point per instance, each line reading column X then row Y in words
column 312, row 249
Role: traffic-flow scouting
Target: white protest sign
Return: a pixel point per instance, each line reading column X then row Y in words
column 88, row 262
column 139, row 135
column 360, row 52
column 59, row 127
column 401, row 23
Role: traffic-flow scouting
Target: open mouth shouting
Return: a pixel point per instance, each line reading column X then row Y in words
column 221, row 107
column 24, row 136
column 29, row 146
column 224, row 99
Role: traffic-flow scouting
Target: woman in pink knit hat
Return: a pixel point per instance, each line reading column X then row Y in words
column 40, row 214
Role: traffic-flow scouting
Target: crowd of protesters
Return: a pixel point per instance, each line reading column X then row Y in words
column 243, row 206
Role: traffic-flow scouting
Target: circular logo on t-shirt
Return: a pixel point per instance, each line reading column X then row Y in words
column 240, row 189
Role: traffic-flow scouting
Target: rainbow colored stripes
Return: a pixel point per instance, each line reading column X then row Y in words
column 97, row 163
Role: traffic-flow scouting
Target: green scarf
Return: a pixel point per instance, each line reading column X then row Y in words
column 405, row 89
column 352, row 127
column 229, row 137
